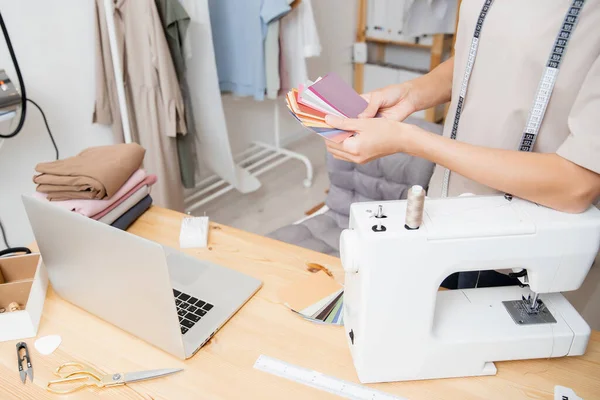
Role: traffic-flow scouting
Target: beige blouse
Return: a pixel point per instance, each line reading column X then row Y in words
column 515, row 43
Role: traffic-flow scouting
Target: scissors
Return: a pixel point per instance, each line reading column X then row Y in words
column 75, row 376
column 24, row 373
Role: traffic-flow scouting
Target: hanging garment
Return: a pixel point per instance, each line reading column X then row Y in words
column 152, row 92
column 429, row 17
column 273, row 79
column 239, row 29
column 95, row 173
column 212, row 140
column 106, row 107
column 175, row 22
column 190, row 8
column 299, row 40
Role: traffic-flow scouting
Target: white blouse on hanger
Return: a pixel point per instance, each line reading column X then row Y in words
column 299, row 41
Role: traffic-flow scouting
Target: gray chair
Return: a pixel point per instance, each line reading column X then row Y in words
column 387, row 178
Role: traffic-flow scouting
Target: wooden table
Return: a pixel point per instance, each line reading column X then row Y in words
column 223, row 369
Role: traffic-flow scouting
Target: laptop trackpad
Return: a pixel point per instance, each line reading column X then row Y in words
column 185, row 271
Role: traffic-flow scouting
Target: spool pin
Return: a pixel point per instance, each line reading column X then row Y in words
column 414, row 207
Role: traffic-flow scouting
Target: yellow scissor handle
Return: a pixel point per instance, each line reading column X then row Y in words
column 67, row 369
column 81, row 377
column 72, row 384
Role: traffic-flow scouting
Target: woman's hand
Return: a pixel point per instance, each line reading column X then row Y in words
column 376, row 137
column 394, row 102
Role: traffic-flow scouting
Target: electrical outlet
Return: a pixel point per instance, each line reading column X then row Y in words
column 360, row 53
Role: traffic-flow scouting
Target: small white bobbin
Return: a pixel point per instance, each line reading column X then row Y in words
column 414, row 207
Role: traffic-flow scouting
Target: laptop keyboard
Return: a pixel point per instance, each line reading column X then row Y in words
column 190, row 310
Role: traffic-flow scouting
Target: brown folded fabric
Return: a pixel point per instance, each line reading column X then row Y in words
column 62, row 186
column 68, row 195
column 95, row 173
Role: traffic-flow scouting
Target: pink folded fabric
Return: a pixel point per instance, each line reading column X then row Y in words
column 148, row 181
column 93, row 207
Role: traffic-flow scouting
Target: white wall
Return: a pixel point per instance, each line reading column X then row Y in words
column 54, row 43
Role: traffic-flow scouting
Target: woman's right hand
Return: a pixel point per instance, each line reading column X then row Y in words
column 395, row 102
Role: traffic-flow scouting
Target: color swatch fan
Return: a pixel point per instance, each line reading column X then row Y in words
column 310, row 103
column 317, row 298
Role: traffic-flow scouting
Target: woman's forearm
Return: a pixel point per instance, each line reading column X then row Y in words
column 544, row 178
column 435, row 87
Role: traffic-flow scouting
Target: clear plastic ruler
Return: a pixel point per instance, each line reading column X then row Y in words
column 320, row 381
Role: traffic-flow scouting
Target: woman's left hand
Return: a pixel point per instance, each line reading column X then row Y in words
column 376, row 137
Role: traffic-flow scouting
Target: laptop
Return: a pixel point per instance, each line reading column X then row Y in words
column 159, row 294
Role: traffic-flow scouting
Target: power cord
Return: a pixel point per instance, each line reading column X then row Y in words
column 24, row 101
column 56, row 152
column 4, row 235
column 21, row 82
column 55, row 149
column 24, row 98
column 47, row 127
column 14, row 250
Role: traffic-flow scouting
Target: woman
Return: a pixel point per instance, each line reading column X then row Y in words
column 516, row 40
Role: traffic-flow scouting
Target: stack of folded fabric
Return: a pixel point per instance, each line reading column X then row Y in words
column 103, row 183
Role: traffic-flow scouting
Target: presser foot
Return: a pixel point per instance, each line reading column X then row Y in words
column 532, row 304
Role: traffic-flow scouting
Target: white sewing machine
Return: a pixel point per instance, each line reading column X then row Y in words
column 400, row 327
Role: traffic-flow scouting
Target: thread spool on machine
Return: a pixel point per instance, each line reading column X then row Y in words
column 414, row 207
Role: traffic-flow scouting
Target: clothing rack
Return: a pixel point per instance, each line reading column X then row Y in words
column 257, row 159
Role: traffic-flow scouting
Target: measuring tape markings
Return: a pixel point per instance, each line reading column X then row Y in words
column 465, row 82
column 546, row 86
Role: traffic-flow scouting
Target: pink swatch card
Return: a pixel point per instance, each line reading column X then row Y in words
column 339, row 95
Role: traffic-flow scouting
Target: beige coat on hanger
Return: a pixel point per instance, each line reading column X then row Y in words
column 154, row 100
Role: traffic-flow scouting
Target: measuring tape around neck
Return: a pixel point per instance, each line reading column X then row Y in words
column 545, row 87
